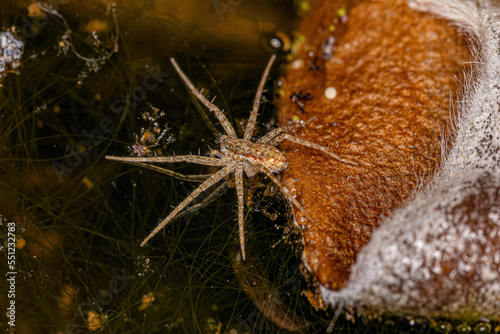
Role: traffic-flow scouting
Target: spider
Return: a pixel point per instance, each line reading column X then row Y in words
column 234, row 156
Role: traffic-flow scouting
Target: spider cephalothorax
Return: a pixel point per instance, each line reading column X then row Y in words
column 251, row 155
column 235, row 155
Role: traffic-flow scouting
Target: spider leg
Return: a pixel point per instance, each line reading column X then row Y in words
column 285, row 190
column 209, row 199
column 253, row 115
column 204, row 186
column 192, row 178
column 268, row 137
column 315, row 146
column 210, row 161
column 206, row 119
column 212, row 107
column 241, row 207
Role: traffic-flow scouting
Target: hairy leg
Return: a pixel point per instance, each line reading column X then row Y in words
column 253, row 115
column 204, row 186
column 283, row 188
column 212, row 107
column 209, row 161
column 269, row 138
column 241, row 207
column 315, row 146
column 209, row 199
column 192, row 178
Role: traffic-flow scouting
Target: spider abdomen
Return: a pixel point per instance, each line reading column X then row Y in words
column 242, row 150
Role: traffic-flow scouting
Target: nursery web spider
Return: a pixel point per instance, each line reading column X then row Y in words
column 235, row 155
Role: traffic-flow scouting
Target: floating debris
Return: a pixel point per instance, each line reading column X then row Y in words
column 299, row 98
column 20, row 243
column 330, row 93
column 153, row 139
column 11, row 50
column 280, row 41
column 88, row 182
column 314, row 65
column 297, row 63
column 327, row 48
column 64, row 44
column 342, row 13
column 35, row 12
column 146, row 301
column 104, row 50
column 94, row 321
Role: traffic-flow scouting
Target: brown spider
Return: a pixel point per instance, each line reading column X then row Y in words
column 235, row 155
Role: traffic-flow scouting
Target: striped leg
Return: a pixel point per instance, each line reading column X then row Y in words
column 204, row 186
column 212, row 107
column 209, row 199
column 192, row 178
column 253, row 115
column 315, row 146
column 283, row 188
column 241, row 207
column 197, row 159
